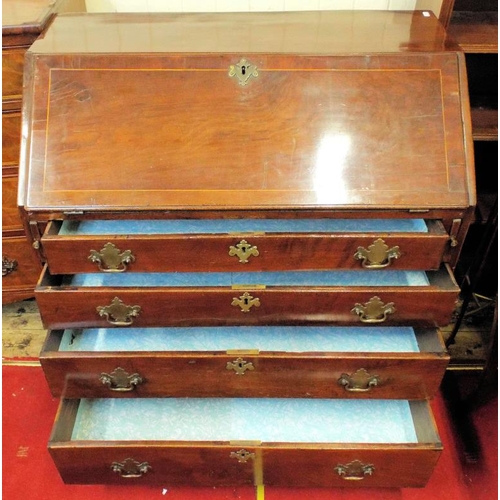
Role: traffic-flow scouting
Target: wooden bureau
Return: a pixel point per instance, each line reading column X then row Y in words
column 248, row 225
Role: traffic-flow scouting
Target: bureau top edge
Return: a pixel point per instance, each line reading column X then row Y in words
column 313, row 33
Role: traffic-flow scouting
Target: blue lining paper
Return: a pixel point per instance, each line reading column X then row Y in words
column 286, row 278
column 209, row 226
column 265, row 338
column 226, row 419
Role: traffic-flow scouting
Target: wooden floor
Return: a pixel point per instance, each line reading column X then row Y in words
column 23, row 334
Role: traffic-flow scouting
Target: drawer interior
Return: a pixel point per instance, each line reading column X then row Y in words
column 216, row 279
column 211, row 226
column 227, row 419
column 295, row 339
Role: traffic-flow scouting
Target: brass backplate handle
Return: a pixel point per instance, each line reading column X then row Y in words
column 359, row 381
column 118, row 313
column 111, row 259
column 243, row 250
column 8, row 265
column 373, row 311
column 355, row 470
column 121, row 381
column 378, row 255
column 243, row 71
column 130, row 468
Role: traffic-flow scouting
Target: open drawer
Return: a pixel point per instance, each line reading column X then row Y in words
column 319, row 362
column 242, row 244
column 287, row 442
column 412, row 298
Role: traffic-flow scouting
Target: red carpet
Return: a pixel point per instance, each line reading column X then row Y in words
column 28, row 471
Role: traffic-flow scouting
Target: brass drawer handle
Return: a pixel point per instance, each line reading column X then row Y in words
column 130, row 468
column 240, row 366
column 243, row 250
column 119, row 314
column 354, row 471
column 378, row 255
column 120, row 381
column 245, row 302
column 110, row 260
column 373, row 311
column 242, row 455
column 8, row 265
column 359, row 381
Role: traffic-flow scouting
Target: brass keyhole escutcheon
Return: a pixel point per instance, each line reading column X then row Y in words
column 240, row 366
column 245, row 302
column 242, row 455
column 243, row 71
column 378, row 255
column 373, row 311
column 243, row 250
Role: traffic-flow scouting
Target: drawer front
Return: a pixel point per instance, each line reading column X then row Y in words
column 11, row 138
column 409, row 375
column 12, row 73
column 19, row 267
column 259, row 252
column 408, row 463
column 215, row 466
column 64, row 306
column 10, row 213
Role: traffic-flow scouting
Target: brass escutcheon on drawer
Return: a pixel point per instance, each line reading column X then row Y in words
column 245, row 302
column 243, row 250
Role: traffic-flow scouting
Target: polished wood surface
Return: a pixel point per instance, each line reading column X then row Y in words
column 291, row 138
column 305, row 149
column 276, row 374
column 198, row 252
column 69, row 306
column 315, row 33
column 278, row 464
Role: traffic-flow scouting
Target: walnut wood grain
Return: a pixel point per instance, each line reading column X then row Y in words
column 288, row 139
column 276, row 374
column 198, row 252
column 66, row 306
column 279, row 464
